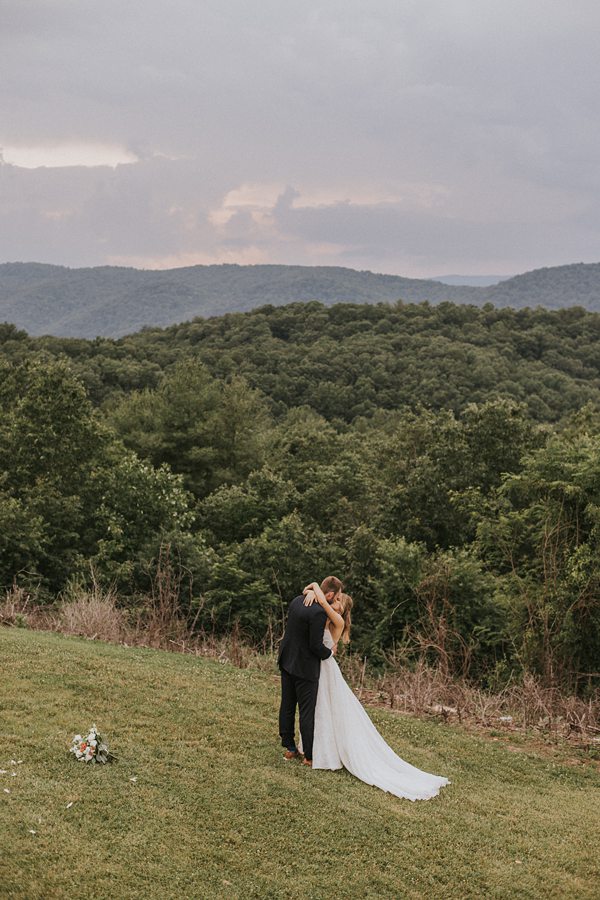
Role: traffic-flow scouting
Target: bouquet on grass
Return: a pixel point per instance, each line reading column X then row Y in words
column 92, row 748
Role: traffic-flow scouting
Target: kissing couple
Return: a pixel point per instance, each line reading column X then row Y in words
column 335, row 729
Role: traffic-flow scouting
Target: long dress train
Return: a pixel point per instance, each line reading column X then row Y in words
column 346, row 737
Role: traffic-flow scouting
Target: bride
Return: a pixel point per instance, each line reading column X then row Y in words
column 344, row 733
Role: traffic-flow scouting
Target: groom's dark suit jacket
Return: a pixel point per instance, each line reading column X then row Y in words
column 302, row 648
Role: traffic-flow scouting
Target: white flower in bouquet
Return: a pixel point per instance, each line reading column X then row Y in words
column 93, row 748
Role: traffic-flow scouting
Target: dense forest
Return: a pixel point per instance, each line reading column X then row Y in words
column 351, row 360
column 443, row 460
column 112, row 301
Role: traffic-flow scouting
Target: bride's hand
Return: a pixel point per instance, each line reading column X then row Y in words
column 309, row 596
column 309, row 587
column 315, row 593
column 316, row 598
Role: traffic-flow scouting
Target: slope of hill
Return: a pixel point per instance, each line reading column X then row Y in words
column 201, row 804
column 574, row 285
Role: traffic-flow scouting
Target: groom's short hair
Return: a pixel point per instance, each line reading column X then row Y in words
column 331, row 583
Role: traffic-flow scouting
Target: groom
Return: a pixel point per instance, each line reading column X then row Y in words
column 300, row 655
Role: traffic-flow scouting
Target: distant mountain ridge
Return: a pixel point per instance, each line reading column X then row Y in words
column 472, row 280
column 111, row 301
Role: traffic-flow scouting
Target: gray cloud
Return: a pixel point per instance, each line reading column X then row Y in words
column 418, row 136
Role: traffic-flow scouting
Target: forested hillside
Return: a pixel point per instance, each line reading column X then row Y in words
column 349, row 361
column 112, row 301
column 442, row 460
column 555, row 287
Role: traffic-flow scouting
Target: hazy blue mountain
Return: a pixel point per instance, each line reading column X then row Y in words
column 113, row 301
column 577, row 284
column 472, row 280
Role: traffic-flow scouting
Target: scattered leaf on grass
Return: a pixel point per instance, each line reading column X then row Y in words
column 6, row 791
column 134, row 779
column 31, row 831
column 69, row 805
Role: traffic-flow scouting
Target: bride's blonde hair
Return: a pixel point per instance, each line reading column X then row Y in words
column 347, row 603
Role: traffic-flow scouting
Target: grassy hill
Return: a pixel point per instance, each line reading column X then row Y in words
column 113, row 301
column 216, row 812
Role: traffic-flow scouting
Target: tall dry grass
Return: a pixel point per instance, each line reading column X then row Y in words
column 421, row 689
column 20, row 609
column 16, row 607
column 92, row 614
column 95, row 614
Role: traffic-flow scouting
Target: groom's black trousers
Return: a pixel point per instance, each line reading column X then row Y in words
column 299, row 692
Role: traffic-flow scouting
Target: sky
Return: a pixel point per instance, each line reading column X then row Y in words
column 414, row 137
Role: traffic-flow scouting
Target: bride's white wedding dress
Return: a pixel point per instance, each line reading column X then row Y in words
column 346, row 737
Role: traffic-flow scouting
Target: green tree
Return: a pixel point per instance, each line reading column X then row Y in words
column 543, row 543
column 252, row 581
column 70, row 493
column 209, row 431
column 434, row 471
column 49, row 435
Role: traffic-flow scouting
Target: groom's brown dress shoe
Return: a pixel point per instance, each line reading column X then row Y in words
column 307, row 762
column 291, row 754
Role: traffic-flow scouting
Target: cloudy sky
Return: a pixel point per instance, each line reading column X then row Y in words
column 416, row 137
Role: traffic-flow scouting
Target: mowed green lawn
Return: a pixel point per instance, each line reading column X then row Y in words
column 216, row 812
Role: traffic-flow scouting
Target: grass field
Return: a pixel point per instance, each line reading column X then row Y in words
column 216, row 812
